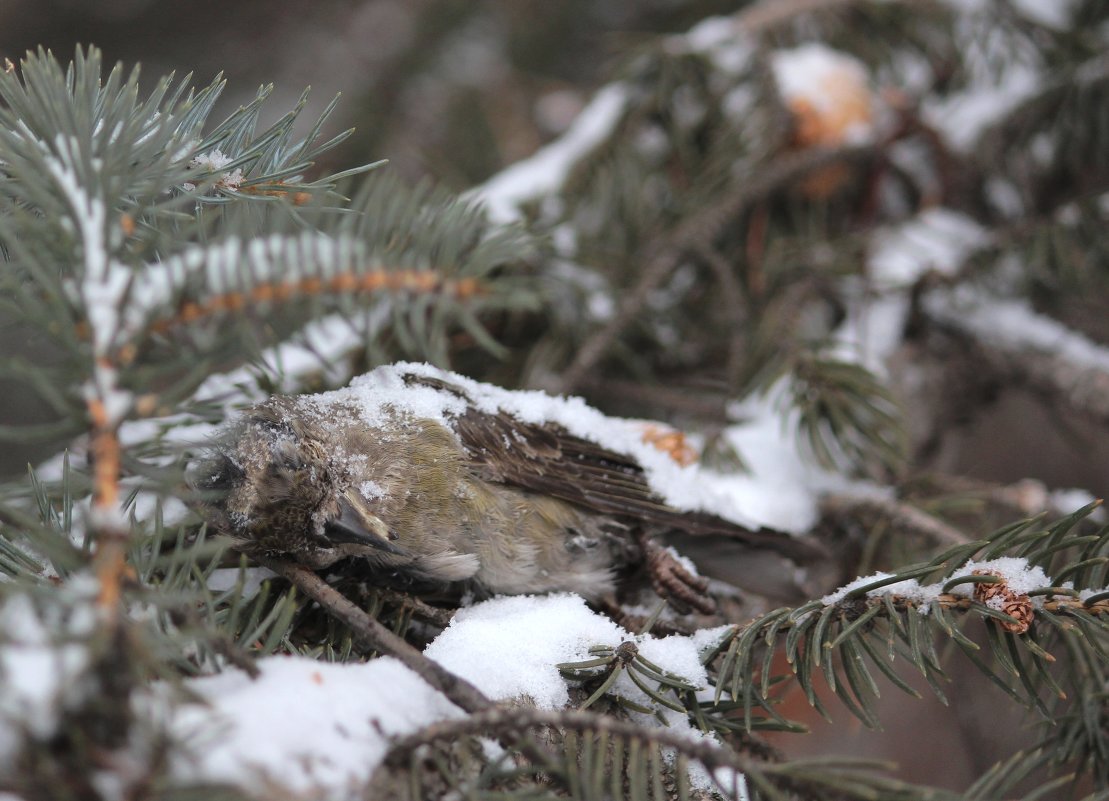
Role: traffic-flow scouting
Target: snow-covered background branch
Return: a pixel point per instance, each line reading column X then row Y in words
column 832, row 268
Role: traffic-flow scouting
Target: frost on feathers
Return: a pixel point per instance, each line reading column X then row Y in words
column 384, row 391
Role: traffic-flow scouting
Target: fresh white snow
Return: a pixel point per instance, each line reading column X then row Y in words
column 321, row 729
column 316, row 728
column 546, row 171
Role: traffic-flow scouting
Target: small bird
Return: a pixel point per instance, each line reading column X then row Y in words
column 432, row 478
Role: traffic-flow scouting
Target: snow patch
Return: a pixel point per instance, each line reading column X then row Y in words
column 1020, row 577
column 546, row 171
column 43, row 657
column 1013, row 324
column 509, row 648
column 314, row 727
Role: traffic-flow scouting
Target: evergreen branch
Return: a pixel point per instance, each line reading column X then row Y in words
column 1056, row 363
column 109, row 562
column 846, row 415
column 835, row 635
column 376, row 637
column 661, row 258
column 1026, row 498
column 928, row 530
column 1055, row 109
column 604, row 758
column 346, row 284
column 111, row 258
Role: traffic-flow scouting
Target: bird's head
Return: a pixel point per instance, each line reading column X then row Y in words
column 277, row 485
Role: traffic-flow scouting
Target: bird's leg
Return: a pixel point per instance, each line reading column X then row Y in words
column 670, row 578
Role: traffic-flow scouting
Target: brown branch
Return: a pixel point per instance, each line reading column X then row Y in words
column 267, row 189
column 901, row 516
column 345, row 283
column 372, row 635
column 110, row 561
column 503, row 720
column 434, row 615
column 1047, row 373
column 222, row 643
column 770, row 13
column 1028, row 497
column 673, row 399
column 1083, row 388
column 663, row 256
column 1055, row 603
column 733, row 296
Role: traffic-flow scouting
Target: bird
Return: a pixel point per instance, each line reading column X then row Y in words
column 428, row 478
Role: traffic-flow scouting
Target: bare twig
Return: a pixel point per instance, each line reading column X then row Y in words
column 1048, row 371
column 733, row 296
column 901, row 516
column 371, row 634
column 1027, row 498
column 770, row 13
column 503, row 720
column 677, row 399
column 1083, row 388
column 432, row 614
column 110, row 559
column 220, row 641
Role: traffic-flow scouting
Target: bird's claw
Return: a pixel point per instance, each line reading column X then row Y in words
column 684, row 589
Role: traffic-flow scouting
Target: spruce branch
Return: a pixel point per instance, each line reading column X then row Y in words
column 605, row 733
column 1052, row 361
column 607, row 758
column 838, row 638
column 660, row 258
column 376, row 637
column 183, row 270
column 908, row 520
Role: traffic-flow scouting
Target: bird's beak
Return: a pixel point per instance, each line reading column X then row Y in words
column 358, row 526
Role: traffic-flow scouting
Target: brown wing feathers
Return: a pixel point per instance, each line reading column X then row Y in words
column 548, row 459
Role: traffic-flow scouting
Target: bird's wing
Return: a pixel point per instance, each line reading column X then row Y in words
column 548, row 459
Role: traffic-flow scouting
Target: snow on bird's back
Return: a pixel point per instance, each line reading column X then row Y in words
column 384, row 391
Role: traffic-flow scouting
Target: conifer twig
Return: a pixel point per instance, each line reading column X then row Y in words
column 419, row 282
column 375, row 636
column 504, row 719
column 1083, row 388
column 903, row 517
column 110, row 562
column 1027, row 497
column 770, row 13
column 1055, row 375
column 663, row 257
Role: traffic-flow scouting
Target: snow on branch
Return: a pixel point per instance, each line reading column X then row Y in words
column 545, row 172
column 1028, row 348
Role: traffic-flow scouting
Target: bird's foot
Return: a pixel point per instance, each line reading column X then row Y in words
column 672, row 580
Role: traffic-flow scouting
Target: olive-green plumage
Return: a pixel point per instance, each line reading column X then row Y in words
column 502, row 505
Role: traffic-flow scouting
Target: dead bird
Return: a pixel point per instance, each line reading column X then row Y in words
column 432, row 477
